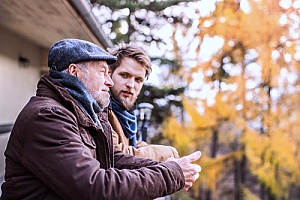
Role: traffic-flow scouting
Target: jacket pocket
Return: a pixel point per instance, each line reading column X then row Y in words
column 88, row 140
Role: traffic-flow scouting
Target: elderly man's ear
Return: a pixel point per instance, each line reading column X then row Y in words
column 73, row 69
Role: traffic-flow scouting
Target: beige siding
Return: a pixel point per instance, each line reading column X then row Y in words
column 17, row 82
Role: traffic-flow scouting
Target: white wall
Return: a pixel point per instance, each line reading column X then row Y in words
column 17, row 83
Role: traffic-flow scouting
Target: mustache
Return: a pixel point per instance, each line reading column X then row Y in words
column 127, row 91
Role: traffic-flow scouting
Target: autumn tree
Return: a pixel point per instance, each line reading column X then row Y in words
column 241, row 100
column 144, row 23
column 150, row 25
column 255, row 76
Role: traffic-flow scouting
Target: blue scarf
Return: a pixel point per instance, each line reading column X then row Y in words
column 128, row 122
column 79, row 92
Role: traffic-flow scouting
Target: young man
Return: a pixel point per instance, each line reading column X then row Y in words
column 61, row 144
column 129, row 74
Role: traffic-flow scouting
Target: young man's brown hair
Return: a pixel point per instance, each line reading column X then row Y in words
column 127, row 50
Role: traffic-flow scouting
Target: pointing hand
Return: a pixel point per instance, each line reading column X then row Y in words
column 190, row 171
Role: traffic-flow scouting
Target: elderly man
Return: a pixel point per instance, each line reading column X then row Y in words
column 61, row 144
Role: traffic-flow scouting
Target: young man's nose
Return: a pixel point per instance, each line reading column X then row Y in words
column 130, row 83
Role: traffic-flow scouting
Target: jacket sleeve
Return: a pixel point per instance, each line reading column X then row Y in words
column 143, row 150
column 53, row 151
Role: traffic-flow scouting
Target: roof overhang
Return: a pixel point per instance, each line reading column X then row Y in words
column 46, row 22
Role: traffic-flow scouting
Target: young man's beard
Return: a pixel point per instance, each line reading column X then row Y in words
column 127, row 104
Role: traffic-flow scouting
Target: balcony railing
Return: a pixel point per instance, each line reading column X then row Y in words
column 5, row 128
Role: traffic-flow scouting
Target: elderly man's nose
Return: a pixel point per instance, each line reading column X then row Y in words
column 108, row 81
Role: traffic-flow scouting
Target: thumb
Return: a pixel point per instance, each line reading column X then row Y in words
column 194, row 156
column 171, row 159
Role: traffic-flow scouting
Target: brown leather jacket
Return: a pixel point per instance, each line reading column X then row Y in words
column 144, row 150
column 56, row 152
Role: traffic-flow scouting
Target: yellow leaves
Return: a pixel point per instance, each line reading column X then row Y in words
column 271, row 158
column 260, row 108
column 177, row 134
column 238, row 55
column 291, row 47
column 223, row 109
column 247, row 195
column 230, row 16
column 219, row 111
column 198, row 120
column 186, row 138
column 213, row 169
column 254, row 151
column 295, row 129
column 195, row 135
column 267, row 174
column 283, row 148
column 261, row 25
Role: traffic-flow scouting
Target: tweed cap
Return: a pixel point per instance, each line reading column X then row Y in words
column 67, row 51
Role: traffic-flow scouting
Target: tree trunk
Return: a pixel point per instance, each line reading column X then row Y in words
column 213, row 153
column 262, row 191
column 214, row 143
column 208, row 195
column 237, row 180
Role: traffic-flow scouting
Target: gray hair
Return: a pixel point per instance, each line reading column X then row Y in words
column 83, row 66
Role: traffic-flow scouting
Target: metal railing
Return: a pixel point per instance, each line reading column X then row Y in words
column 5, row 128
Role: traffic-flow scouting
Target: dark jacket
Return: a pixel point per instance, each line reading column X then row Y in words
column 55, row 151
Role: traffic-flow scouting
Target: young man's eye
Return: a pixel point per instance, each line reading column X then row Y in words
column 124, row 75
column 139, row 80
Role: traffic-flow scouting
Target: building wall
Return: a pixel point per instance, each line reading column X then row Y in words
column 17, row 81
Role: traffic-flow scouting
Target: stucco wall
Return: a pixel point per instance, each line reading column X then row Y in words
column 17, row 82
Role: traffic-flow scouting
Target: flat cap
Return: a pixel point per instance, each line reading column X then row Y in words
column 67, row 51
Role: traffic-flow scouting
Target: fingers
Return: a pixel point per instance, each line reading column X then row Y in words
column 191, row 174
column 189, row 184
column 194, row 171
column 193, row 157
column 196, row 176
column 197, row 168
column 187, row 187
column 190, row 171
column 171, row 159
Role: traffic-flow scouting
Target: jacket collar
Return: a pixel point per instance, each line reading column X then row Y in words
column 48, row 87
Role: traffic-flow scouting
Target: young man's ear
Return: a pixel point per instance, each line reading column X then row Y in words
column 73, row 69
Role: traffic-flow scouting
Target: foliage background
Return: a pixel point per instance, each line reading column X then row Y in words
column 228, row 85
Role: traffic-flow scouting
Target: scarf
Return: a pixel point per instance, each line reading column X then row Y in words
column 79, row 92
column 128, row 122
